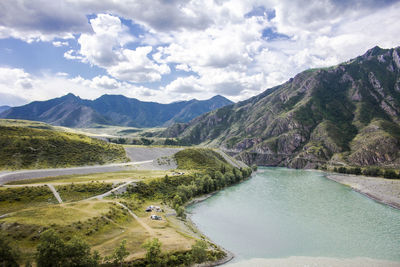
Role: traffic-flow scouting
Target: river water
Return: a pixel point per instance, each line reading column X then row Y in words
column 282, row 212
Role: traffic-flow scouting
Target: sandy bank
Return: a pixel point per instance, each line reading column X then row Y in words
column 314, row 262
column 383, row 190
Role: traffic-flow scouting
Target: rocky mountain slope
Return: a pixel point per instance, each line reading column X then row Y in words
column 346, row 114
column 72, row 111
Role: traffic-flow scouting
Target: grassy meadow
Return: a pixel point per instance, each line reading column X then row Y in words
column 34, row 145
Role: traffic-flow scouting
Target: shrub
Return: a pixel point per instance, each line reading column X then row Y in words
column 391, row 174
column 9, row 256
column 153, row 252
column 199, row 251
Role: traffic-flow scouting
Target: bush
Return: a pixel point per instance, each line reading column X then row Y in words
column 153, row 252
column 391, row 174
column 371, row 171
column 53, row 251
column 9, row 256
column 199, row 251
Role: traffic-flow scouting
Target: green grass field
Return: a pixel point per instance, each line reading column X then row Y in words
column 77, row 192
column 14, row 199
column 97, row 177
column 199, row 158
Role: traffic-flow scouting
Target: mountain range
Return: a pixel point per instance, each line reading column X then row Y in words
column 347, row 114
column 72, row 111
column 4, row 108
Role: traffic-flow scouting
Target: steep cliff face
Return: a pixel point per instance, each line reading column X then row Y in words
column 343, row 114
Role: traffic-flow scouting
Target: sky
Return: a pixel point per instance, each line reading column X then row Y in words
column 170, row 50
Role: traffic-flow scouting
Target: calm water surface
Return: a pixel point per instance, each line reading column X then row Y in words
column 282, row 212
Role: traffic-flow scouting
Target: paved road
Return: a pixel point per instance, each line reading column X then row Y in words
column 30, row 174
column 138, row 153
column 55, row 193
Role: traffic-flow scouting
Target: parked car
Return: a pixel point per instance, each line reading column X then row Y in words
column 155, row 217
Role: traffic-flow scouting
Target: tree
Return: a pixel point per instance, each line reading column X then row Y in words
column 53, row 251
column 153, row 253
column 120, row 253
column 199, row 251
column 180, row 212
column 177, row 200
column 50, row 251
column 8, row 256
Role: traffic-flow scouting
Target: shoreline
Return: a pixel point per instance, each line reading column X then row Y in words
column 382, row 190
column 229, row 255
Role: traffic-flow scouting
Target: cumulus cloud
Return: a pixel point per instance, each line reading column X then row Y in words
column 106, row 82
column 15, row 78
column 59, row 43
column 105, row 48
column 235, row 48
column 40, row 20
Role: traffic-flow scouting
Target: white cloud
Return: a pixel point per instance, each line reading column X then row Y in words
column 59, row 43
column 136, row 66
column 105, row 82
column 183, row 67
column 221, row 47
column 41, row 20
column 72, row 55
column 106, row 48
column 15, row 78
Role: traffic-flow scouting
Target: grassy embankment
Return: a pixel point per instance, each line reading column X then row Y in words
column 115, row 177
column 104, row 224
column 32, row 145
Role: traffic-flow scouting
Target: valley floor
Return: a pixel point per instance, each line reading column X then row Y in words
column 386, row 191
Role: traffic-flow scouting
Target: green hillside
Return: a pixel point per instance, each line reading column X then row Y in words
column 27, row 145
column 199, row 158
column 343, row 115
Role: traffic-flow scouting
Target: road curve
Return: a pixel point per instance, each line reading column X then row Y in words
column 41, row 173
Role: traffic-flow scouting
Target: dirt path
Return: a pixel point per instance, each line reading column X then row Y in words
column 55, row 193
column 139, row 220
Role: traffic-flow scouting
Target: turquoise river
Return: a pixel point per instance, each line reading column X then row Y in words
column 280, row 213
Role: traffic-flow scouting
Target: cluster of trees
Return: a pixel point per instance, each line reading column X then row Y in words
column 369, row 171
column 53, row 251
column 179, row 189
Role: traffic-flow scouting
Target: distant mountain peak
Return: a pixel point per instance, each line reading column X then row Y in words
column 374, row 51
column 70, row 110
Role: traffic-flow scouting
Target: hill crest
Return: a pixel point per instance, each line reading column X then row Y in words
column 72, row 111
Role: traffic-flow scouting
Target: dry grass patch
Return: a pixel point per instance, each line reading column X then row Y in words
column 63, row 214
